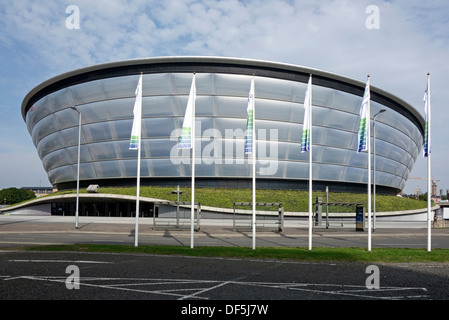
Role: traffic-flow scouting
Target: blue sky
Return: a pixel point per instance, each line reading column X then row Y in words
column 412, row 39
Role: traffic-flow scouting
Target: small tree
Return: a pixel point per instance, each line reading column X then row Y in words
column 13, row 195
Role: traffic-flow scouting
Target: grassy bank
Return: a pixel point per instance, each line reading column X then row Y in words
column 293, row 200
column 387, row 255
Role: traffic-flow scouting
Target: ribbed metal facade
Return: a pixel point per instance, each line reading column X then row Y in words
column 104, row 95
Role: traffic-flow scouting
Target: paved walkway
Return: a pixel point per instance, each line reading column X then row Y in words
column 114, row 224
column 217, row 232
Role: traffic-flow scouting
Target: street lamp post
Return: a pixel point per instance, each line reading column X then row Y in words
column 78, row 170
column 374, row 168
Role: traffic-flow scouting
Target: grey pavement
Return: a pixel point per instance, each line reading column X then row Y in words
column 20, row 229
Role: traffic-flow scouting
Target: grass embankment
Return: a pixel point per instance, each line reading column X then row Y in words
column 293, row 200
column 387, row 255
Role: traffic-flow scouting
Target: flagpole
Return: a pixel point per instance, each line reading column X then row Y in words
column 250, row 147
column 310, row 164
column 192, row 207
column 429, row 191
column 364, row 144
column 368, row 144
column 139, row 133
column 136, row 232
column 254, row 166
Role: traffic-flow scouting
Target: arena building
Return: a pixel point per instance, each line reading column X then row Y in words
column 104, row 95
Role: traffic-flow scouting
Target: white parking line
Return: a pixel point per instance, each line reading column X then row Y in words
column 60, row 261
column 195, row 289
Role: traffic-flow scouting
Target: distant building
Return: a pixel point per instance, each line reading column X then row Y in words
column 41, row 191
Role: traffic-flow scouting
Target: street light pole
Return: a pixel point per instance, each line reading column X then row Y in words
column 78, row 170
column 374, row 168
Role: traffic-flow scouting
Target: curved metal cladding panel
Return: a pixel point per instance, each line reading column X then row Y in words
column 104, row 95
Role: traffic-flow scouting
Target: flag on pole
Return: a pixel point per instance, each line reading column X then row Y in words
column 135, row 131
column 427, row 150
column 364, row 120
column 306, row 146
column 250, row 148
column 305, row 140
column 134, row 144
column 185, row 140
column 427, row 154
column 250, row 120
column 364, row 144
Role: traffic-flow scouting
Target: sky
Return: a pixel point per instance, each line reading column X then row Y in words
column 396, row 42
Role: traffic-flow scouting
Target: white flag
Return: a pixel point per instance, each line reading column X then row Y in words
column 364, row 119
column 135, row 131
column 249, row 140
column 305, row 140
column 427, row 150
column 185, row 140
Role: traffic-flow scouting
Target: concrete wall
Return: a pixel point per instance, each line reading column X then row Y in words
column 43, row 209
